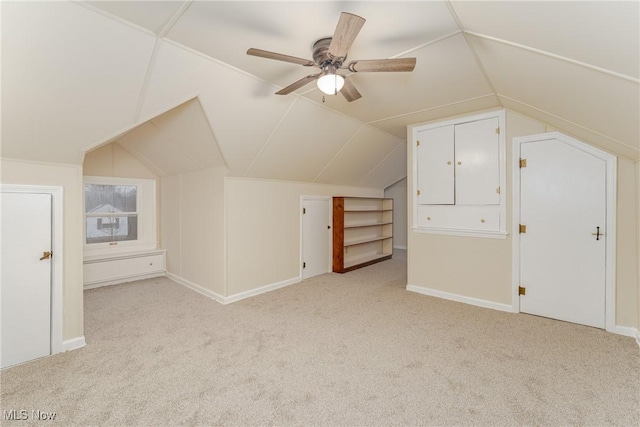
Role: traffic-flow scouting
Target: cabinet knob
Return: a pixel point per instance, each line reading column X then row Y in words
column 459, row 163
column 449, row 162
column 428, row 218
column 482, row 220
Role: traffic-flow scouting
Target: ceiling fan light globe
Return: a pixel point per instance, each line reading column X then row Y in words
column 330, row 84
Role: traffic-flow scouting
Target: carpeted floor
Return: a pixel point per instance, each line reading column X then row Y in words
column 353, row 349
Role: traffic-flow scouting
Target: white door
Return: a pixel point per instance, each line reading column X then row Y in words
column 562, row 251
column 26, row 279
column 316, row 237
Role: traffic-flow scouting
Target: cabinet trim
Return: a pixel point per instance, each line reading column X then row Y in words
column 461, row 232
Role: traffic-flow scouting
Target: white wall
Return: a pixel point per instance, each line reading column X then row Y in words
column 112, row 160
column 398, row 192
column 263, row 229
column 481, row 268
column 192, row 227
column 627, row 308
column 69, row 177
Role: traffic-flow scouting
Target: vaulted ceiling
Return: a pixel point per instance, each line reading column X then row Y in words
column 170, row 81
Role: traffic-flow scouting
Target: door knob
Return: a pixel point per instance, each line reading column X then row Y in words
column 46, row 255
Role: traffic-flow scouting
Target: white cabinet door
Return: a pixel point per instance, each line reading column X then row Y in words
column 435, row 156
column 477, row 173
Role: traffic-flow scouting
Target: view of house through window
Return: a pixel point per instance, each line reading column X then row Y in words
column 111, row 213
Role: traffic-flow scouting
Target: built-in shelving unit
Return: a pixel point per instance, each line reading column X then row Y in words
column 362, row 232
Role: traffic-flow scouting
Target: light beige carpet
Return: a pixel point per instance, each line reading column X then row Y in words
column 353, row 349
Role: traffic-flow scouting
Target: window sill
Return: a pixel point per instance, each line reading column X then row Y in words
column 461, row 232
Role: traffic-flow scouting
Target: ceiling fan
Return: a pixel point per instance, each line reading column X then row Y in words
column 330, row 55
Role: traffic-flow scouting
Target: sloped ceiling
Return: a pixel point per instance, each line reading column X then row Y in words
column 76, row 75
column 175, row 142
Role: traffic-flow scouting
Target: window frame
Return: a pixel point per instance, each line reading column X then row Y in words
column 145, row 212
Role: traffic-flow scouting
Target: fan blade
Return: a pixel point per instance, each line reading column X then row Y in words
column 346, row 31
column 349, row 91
column 280, row 57
column 382, row 65
column 297, row 85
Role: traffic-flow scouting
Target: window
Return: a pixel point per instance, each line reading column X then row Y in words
column 111, row 213
column 119, row 213
column 459, row 177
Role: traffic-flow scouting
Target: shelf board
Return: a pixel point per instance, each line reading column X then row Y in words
column 367, row 224
column 365, row 240
column 364, row 259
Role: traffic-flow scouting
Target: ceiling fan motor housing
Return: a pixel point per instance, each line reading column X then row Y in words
column 321, row 54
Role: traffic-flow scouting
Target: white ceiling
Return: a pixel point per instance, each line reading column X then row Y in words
column 78, row 74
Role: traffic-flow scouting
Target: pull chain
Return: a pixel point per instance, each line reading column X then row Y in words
column 323, row 99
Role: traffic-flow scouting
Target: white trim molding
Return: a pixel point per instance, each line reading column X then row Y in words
column 73, row 343
column 627, row 331
column 57, row 260
column 235, row 297
column 610, row 231
column 462, row 233
column 461, row 298
column 261, row 290
column 199, row 289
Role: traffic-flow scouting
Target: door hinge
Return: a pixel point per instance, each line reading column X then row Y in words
column 304, row 211
column 498, row 190
column 417, row 143
column 304, row 265
column 523, row 228
column 498, row 130
column 418, row 192
column 522, row 290
column 523, row 163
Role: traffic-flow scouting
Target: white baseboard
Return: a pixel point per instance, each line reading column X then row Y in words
column 400, row 247
column 73, row 343
column 123, row 280
column 627, row 331
column 620, row 330
column 206, row 292
column 235, row 297
column 461, row 298
column 262, row 290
